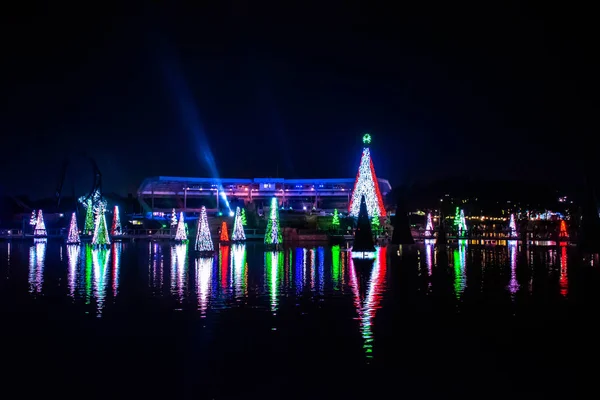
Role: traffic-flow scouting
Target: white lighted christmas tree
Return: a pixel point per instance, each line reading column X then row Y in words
column 203, row 239
column 180, row 233
column 116, row 223
column 512, row 226
column 173, row 218
column 40, row 226
column 238, row 233
column 366, row 184
column 33, row 218
column 101, row 237
column 273, row 234
column 92, row 204
column 429, row 226
column 73, row 237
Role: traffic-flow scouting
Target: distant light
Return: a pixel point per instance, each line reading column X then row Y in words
column 304, row 208
column 231, row 213
column 366, row 138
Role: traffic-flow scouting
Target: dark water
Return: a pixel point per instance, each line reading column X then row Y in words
column 149, row 320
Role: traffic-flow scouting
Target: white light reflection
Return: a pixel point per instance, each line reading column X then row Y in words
column 274, row 269
column 179, row 264
column 367, row 309
column 513, row 285
column 116, row 264
column 73, row 257
column 204, row 266
column 37, row 259
column 239, row 270
column 100, row 261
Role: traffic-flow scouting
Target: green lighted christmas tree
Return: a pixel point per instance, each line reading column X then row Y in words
column 88, row 228
column 459, row 222
column 244, row 221
column 375, row 225
column 101, row 237
column 335, row 221
column 273, row 234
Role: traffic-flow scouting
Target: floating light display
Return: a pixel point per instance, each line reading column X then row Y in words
column 204, row 242
column 335, row 221
column 273, row 234
column 366, row 184
column 512, row 226
column 173, row 218
column 73, row 236
column 40, row 226
column 224, row 237
column 101, row 237
column 238, row 233
column 429, row 226
column 180, row 233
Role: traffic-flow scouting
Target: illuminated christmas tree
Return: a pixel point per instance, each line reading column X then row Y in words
column 40, row 226
column 173, row 218
column 116, row 223
column 88, row 227
column 100, row 237
column 238, row 229
column 73, row 237
column 563, row 229
column 273, row 234
column 244, row 221
column 366, row 184
column 335, row 221
column 203, row 240
column 375, row 225
column 224, row 234
column 33, row 218
column 459, row 222
column 181, row 232
column 429, row 226
column 512, row 226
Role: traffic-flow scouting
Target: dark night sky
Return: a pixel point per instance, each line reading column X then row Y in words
column 474, row 92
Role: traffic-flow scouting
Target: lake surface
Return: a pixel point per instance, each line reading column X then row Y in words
column 151, row 320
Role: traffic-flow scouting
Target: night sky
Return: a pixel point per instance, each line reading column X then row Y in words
column 267, row 91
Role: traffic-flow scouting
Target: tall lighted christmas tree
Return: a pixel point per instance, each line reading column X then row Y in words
column 73, row 237
column 101, row 237
column 244, row 221
column 40, row 226
column 273, row 234
column 181, row 232
column 459, row 222
column 173, row 218
column 238, row 233
column 335, row 221
column 116, row 223
column 563, row 229
column 92, row 203
column 88, row 227
column 366, row 184
column 512, row 226
column 429, row 226
column 224, row 237
column 203, row 240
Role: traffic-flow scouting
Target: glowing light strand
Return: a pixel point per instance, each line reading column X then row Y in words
column 366, row 184
column 173, row 218
column 73, row 236
column 203, row 240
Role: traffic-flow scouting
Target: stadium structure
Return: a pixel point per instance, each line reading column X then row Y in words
column 161, row 194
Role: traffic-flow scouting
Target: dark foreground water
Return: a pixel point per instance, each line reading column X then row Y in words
column 148, row 320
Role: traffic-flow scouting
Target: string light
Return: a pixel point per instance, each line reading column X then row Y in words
column 203, row 240
column 33, row 218
column 238, row 233
column 73, row 237
column 273, row 233
column 180, row 233
column 366, row 184
column 244, row 221
column 335, row 221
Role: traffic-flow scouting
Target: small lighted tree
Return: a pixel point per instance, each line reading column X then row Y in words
column 73, row 237
column 40, row 226
column 335, row 221
column 33, row 218
column 181, row 231
column 459, row 222
column 224, row 234
column 273, row 234
column 563, row 229
column 173, row 218
column 429, row 226
column 244, row 221
column 512, row 226
column 101, row 237
column 88, row 226
column 238, row 233
column 203, row 240
column 375, row 223
column 116, row 223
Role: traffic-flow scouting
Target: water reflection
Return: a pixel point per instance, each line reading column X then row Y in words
column 372, row 300
column 224, row 265
column 73, row 257
column 273, row 274
column 116, row 264
column 37, row 259
column 203, row 268
column 513, row 285
column 564, row 278
column 100, row 264
column 460, row 276
column 179, row 268
column 156, row 269
column 336, row 271
column 239, row 270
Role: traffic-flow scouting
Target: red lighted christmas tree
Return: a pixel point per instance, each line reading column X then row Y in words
column 224, row 235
